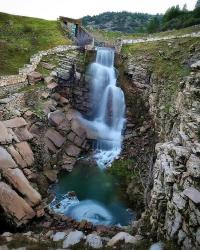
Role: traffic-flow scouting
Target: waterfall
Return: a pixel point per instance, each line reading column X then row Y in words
column 108, row 108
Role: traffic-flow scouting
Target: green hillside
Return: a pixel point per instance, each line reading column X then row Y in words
column 118, row 21
column 21, row 37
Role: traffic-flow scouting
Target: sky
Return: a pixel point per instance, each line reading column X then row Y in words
column 52, row 9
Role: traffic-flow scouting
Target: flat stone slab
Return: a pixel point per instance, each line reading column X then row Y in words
column 193, row 194
column 23, row 134
column 6, row 161
column 56, row 118
column 17, row 157
column 15, row 206
column 25, row 151
column 17, row 179
column 55, row 137
column 72, row 150
column 4, row 136
column 15, row 122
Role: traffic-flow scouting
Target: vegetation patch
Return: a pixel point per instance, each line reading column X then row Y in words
column 21, row 37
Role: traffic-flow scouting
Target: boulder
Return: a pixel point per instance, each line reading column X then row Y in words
column 77, row 128
column 59, row 236
column 56, row 118
column 6, row 161
column 17, row 179
column 21, row 212
column 55, row 137
column 50, row 146
column 193, row 166
column 25, row 151
column 49, row 80
column 123, row 236
column 68, row 162
column 23, row 134
column 51, row 174
column 94, row 241
column 17, row 157
column 72, row 150
column 52, row 85
column 196, row 65
column 4, row 136
column 193, row 194
column 73, row 238
column 15, row 122
column 34, row 77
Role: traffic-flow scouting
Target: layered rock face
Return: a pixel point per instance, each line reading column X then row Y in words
column 176, row 192
column 17, row 197
column 173, row 209
column 40, row 135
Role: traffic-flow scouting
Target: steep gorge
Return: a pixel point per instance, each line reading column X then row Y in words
column 159, row 163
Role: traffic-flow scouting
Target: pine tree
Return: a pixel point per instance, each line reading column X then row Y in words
column 197, row 4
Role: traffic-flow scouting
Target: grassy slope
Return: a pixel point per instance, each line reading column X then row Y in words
column 112, row 36
column 169, row 64
column 21, row 37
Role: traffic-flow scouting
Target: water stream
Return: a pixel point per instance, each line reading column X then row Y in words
column 95, row 196
column 108, row 106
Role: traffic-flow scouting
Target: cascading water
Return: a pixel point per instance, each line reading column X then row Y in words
column 98, row 204
column 108, row 108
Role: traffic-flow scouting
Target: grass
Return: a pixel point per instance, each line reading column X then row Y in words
column 21, row 37
column 113, row 36
column 168, row 59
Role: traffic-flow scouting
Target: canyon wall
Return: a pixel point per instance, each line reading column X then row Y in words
column 172, row 211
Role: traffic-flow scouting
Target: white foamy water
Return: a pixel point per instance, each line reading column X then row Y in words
column 108, row 108
column 89, row 210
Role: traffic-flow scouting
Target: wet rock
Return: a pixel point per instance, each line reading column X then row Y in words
column 25, row 151
column 193, row 194
column 94, row 241
column 19, row 181
column 21, row 212
column 59, row 236
column 73, row 238
column 6, row 161
column 68, row 163
column 15, row 122
column 51, row 175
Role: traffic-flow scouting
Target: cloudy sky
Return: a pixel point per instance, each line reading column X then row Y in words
column 51, row 9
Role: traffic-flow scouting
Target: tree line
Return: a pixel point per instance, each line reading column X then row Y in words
column 175, row 18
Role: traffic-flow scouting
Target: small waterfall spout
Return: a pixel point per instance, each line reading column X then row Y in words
column 108, row 104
